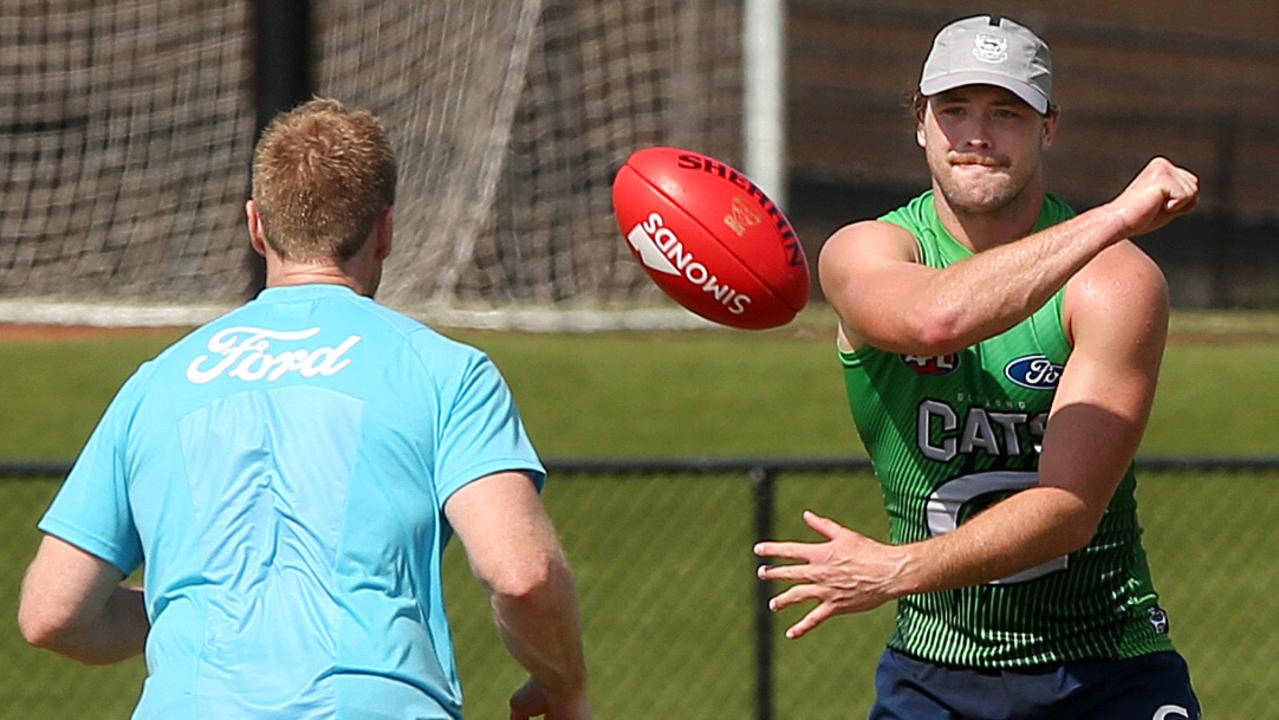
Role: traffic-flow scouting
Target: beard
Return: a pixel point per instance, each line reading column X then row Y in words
column 975, row 188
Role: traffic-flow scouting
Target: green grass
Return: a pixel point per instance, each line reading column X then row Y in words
column 56, row 391
column 688, row 394
column 664, row 564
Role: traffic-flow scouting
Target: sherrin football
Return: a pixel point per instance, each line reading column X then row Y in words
column 710, row 238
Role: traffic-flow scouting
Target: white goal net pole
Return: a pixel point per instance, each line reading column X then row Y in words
column 764, row 90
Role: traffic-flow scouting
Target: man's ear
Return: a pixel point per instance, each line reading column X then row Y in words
column 257, row 235
column 383, row 232
column 1050, row 127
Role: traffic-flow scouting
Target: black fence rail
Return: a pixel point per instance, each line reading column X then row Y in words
column 677, row 625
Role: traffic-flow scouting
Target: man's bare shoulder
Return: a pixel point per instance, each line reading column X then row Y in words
column 858, row 266
column 869, row 238
column 1122, row 269
column 1121, row 283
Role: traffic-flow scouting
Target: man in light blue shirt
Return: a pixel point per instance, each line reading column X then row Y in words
column 290, row 474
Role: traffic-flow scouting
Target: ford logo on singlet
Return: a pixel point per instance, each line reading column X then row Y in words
column 1035, row 372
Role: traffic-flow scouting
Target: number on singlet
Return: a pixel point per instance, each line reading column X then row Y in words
column 946, row 502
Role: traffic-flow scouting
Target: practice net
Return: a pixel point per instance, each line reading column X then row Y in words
column 128, row 129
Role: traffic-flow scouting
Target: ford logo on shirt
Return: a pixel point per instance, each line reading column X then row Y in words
column 1035, row 372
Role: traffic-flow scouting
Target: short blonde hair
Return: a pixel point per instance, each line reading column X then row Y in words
column 322, row 175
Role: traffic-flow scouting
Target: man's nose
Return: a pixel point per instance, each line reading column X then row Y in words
column 977, row 133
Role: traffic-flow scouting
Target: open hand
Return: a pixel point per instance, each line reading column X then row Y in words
column 848, row 573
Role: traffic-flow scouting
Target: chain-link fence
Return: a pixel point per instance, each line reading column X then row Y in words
column 662, row 554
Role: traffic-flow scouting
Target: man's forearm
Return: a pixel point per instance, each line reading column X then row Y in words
column 1027, row 529
column 993, row 290
column 542, row 629
column 118, row 633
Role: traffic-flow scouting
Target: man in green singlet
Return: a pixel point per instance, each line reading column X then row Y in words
column 1001, row 354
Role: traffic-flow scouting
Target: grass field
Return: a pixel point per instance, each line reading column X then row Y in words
column 663, row 563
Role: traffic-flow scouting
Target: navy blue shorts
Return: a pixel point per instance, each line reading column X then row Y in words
column 1150, row 687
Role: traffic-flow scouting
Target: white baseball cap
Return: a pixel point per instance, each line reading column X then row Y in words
column 990, row 50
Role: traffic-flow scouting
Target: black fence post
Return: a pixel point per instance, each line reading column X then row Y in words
column 762, row 483
column 281, row 80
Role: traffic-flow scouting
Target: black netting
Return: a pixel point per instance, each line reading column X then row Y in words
column 126, row 130
column 665, row 575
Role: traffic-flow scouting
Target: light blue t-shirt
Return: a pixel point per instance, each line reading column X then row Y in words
column 282, row 472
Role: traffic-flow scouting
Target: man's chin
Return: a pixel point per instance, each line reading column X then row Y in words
column 978, row 204
column 986, row 194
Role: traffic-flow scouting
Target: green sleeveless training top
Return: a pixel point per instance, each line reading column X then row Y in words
column 951, row 435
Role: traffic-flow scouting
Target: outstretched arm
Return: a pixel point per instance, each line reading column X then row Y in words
column 887, row 299
column 1117, row 311
column 73, row 604
column 517, row 557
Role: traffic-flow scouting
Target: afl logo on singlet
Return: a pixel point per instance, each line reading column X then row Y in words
column 932, row 365
column 1034, row 372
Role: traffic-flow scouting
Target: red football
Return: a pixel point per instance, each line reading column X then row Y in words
column 710, row 238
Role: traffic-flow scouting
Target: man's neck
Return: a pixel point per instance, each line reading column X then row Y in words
column 980, row 231
column 288, row 273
